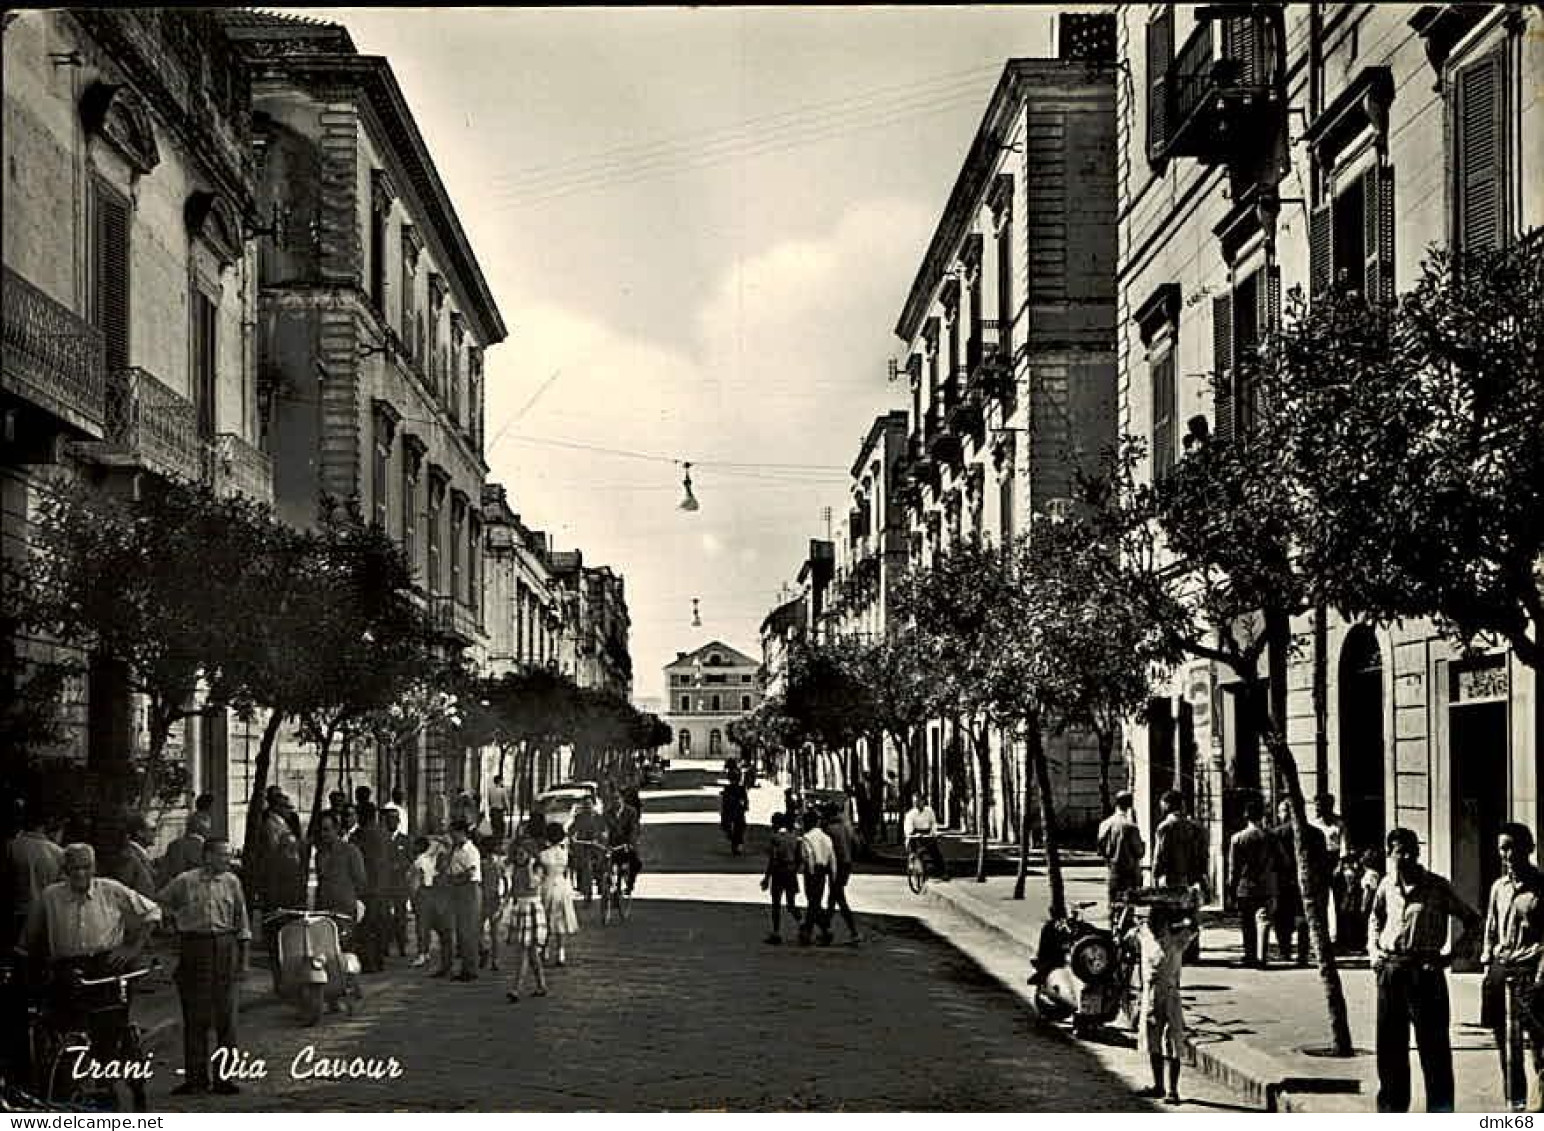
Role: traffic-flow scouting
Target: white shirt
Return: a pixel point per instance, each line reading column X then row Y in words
column 426, row 866
column 920, row 821
column 819, row 852
column 467, row 861
column 498, row 798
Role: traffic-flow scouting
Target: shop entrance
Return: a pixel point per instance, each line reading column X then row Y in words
column 1478, row 754
column 1361, row 800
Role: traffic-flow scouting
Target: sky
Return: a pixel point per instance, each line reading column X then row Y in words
column 700, row 226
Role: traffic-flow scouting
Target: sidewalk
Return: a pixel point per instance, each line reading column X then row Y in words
column 1261, row 1032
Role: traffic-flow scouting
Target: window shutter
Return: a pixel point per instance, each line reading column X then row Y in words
column 1480, row 156
column 1241, row 44
column 1163, row 414
column 110, row 307
column 1268, row 300
column 1321, row 251
column 1160, row 55
column 1378, row 212
column 1222, row 365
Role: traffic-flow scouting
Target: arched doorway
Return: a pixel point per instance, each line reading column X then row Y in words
column 684, row 743
column 1361, row 739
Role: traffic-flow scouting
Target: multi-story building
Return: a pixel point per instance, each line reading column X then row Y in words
column 521, row 603
column 129, row 296
column 373, row 317
column 708, row 689
column 871, row 556
column 1009, row 333
column 1319, row 145
column 592, row 643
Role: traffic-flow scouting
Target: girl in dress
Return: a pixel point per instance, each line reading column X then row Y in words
column 557, row 894
column 527, row 918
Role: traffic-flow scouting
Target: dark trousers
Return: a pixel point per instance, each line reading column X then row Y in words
column 1253, row 913
column 372, row 935
column 815, row 907
column 395, row 912
column 1412, row 996
column 784, row 888
column 496, row 820
column 839, row 899
column 1290, row 923
column 424, row 910
column 207, row 975
column 466, row 902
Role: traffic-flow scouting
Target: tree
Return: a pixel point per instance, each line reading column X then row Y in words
column 898, row 678
column 955, row 608
column 1423, row 449
column 149, row 586
column 434, row 698
column 829, row 706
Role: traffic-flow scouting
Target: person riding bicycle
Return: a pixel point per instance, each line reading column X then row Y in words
column 88, row 926
column 588, row 830
column 920, row 829
column 622, row 829
column 734, row 802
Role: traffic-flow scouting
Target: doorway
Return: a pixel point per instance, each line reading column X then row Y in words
column 1361, row 800
column 1479, row 755
column 1160, row 757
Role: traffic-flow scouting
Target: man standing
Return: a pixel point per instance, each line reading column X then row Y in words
column 283, row 884
column 464, row 874
column 187, row 851
column 210, row 911
column 1290, row 916
column 1179, row 856
column 1252, row 869
column 498, row 806
column 840, row 834
column 394, row 891
column 1408, row 929
column 1120, row 843
column 375, row 850
column 1512, row 1001
column 818, row 862
column 33, row 861
column 1329, row 823
column 340, row 872
column 138, row 870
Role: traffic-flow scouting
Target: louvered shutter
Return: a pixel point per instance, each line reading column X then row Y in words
column 1321, row 251
column 1160, row 55
column 1268, row 300
column 1480, row 136
column 1222, row 365
column 1248, row 385
column 1163, row 414
column 1241, row 44
column 1378, row 233
column 110, row 291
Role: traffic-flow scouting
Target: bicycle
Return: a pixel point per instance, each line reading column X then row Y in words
column 60, row 1051
column 611, row 879
column 917, row 868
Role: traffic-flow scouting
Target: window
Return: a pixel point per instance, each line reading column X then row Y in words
column 110, row 272
column 202, row 313
column 745, row 702
column 1240, row 320
column 457, row 534
column 1165, row 410
column 715, row 743
column 745, row 679
column 1160, row 56
column 1006, row 517
column 1480, row 128
column 412, row 467
column 686, row 704
column 1351, row 237
column 437, row 483
column 684, row 739
column 716, row 703
column 409, row 317
column 380, row 463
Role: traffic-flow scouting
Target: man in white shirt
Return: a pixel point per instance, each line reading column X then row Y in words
column 817, row 860
column 920, row 828
column 498, row 805
column 465, row 875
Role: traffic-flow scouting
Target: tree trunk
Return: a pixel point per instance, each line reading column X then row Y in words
column 1053, row 871
column 317, row 793
column 1321, row 732
column 1025, row 830
column 982, row 741
column 260, row 767
column 1278, row 629
column 1106, row 739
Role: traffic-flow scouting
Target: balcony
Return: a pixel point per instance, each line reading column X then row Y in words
column 945, row 447
column 53, row 358
column 238, row 468
column 921, row 467
column 968, row 418
column 451, row 620
column 1219, row 88
column 148, row 426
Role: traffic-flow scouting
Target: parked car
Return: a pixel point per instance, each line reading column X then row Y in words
column 561, row 802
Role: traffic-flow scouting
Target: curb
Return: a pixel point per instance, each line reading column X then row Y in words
column 1245, row 1068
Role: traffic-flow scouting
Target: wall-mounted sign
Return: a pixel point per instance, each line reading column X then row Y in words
column 1485, row 682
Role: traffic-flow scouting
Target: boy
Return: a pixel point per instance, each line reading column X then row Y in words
column 782, row 874
column 1161, row 1026
column 817, row 857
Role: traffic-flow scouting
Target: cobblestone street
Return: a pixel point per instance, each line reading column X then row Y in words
column 684, row 1007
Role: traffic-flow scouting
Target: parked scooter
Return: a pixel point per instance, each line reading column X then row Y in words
column 1086, row 973
column 310, row 964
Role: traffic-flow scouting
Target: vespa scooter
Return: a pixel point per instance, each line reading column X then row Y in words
column 310, row 965
column 1084, row 972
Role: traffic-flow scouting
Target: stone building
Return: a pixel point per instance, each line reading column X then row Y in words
column 708, row 689
column 372, row 321
column 129, row 296
column 1316, row 145
column 522, row 606
column 593, row 641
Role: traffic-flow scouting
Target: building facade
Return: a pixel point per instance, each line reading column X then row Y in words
column 871, row 553
column 708, row 689
column 130, row 290
column 1323, row 145
column 593, row 639
column 373, row 316
column 521, row 601
column 1009, row 346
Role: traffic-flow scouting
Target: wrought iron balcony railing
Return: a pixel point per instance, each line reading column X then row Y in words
column 236, row 467
column 1217, row 85
column 53, row 357
column 149, row 426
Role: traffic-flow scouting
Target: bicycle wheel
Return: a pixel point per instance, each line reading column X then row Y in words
column 916, row 873
column 624, row 902
column 607, row 897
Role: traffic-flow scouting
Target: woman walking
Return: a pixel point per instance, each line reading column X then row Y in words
column 557, row 894
column 527, row 919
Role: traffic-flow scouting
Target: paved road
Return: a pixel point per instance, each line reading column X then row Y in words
column 684, row 1007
